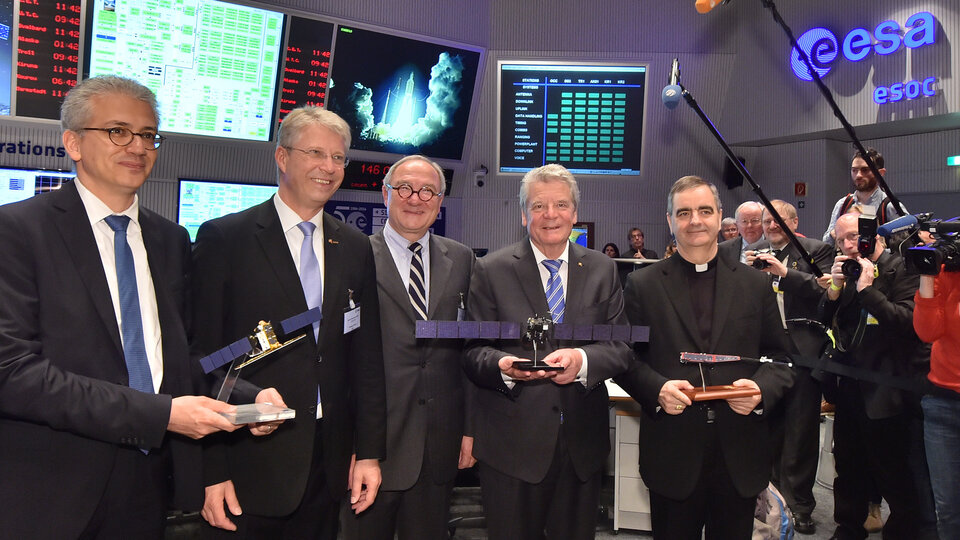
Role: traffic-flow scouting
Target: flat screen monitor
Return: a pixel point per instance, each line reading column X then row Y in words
column 6, row 54
column 213, row 65
column 306, row 68
column 402, row 95
column 582, row 234
column 17, row 184
column 48, row 55
column 586, row 117
column 202, row 200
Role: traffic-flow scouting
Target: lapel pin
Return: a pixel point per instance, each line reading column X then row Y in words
column 332, row 241
column 579, row 264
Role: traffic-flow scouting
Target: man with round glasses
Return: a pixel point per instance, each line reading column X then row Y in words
column 420, row 276
column 95, row 370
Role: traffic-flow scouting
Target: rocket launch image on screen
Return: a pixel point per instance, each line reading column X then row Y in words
column 400, row 95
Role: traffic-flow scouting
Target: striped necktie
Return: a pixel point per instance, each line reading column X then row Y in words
column 554, row 290
column 415, row 287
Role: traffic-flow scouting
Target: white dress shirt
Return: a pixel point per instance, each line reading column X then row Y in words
column 97, row 210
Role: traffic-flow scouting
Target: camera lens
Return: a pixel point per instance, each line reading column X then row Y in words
column 760, row 264
column 851, row 269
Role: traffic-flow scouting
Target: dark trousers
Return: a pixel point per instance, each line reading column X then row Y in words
column 715, row 507
column 314, row 519
column 561, row 507
column 874, row 451
column 797, row 442
column 418, row 513
column 134, row 503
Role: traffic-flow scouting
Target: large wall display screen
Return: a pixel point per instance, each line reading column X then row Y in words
column 307, row 66
column 401, row 95
column 6, row 54
column 213, row 65
column 588, row 118
column 18, row 184
column 201, row 201
column 48, row 51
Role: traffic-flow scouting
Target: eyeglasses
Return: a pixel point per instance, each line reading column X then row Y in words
column 754, row 221
column 405, row 191
column 121, row 136
column 313, row 154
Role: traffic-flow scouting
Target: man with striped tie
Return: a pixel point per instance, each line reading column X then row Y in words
column 420, row 276
column 542, row 436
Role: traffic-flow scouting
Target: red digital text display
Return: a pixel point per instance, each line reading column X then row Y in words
column 307, row 66
column 47, row 56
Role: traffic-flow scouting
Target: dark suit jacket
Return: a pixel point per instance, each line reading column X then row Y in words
column 745, row 322
column 890, row 347
column 244, row 274
column 731, row 248
column 425, row 397
column 517, row 429
column 802, row 294
column 65, row 407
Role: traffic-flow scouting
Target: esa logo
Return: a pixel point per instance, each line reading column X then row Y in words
column 822, row 48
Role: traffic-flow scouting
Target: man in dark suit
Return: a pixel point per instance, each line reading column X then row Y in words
column 749, row 216
column 797, row 425
column 420, row 276
column 704, row 462
column 271, row 262
column 95, row 372
column 542, row 437
column 877, row 428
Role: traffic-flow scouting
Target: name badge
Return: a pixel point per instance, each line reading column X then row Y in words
column 351, row 319
column 351, row 315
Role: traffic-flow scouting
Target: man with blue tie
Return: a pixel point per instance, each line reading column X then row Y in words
column 541, row 437
column 96, row 414
column 270, row 262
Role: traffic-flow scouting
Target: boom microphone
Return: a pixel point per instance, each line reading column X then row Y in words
column 672, row 92
column 904, row 223
column 704, row 6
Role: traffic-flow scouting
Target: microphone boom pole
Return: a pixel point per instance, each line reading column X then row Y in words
column 688, row 97
column 833, row 105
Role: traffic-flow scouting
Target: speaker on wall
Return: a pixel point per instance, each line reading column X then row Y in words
column 731, row 176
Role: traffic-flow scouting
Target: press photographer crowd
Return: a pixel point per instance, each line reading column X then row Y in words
column 863, row 332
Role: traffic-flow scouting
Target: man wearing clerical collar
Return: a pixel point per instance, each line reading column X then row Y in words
column 705, row 462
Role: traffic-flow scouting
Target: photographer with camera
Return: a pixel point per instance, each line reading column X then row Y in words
column 797, row 431
column 936, row 320
column 869, row 304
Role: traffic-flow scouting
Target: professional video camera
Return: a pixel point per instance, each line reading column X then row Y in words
column 944, row 252
column 928, row 259
column 866, row 245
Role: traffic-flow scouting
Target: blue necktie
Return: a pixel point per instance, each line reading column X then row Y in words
column 554, row 290
column 131, row 326
column 310, row 273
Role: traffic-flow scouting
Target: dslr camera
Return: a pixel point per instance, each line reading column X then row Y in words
column 759, row 263
column 866, row 245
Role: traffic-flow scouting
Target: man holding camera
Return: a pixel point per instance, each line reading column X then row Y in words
column 869, row 304
column 797, row 436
